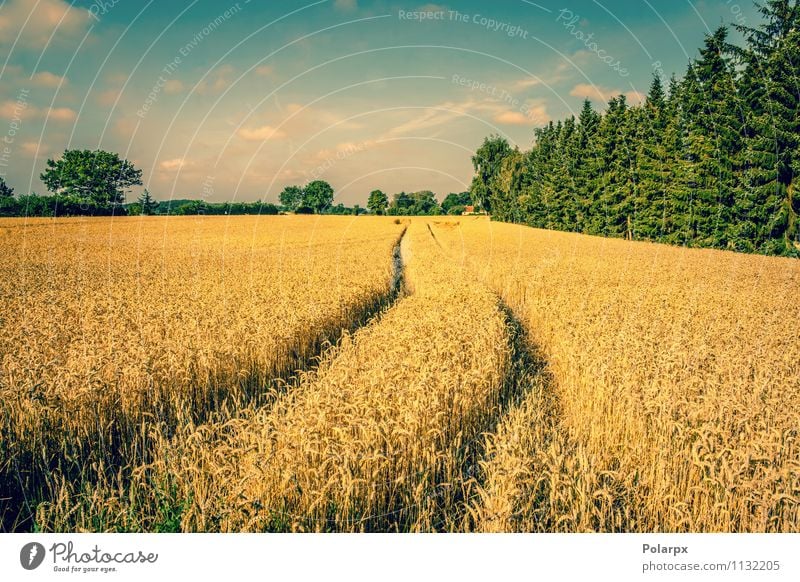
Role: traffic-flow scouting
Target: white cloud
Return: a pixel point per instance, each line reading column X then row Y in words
column 35, row 149
column 62, row 114
column 47, row 79
column 262, row 133
column 36, row 23
column 604, row 94
column 514, row 118
column 17, row 110
column 173, row 86
column 173, row 164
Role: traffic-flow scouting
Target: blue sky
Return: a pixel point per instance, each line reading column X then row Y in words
column 235, row 100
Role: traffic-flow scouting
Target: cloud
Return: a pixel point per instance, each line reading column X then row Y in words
column 527, row 83
column 262, row 133
column 10, row 110
column 47, row 79
column 264, row 70
column 173, row 86
column 173, row 164
column 36, row 23
column 125, row 127
column 600, row 93
column 346, row 5
column 62, row 114
column 515, row 118
column 217, row 81
column 33, row 148
column 109, row 97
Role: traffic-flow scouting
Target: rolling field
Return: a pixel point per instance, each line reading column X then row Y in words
column 378, row 374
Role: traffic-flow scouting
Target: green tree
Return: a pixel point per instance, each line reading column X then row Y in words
column 767, row 213
column 291, row 198
column 378, row 202
column 147, row 205
column 424, row 203
column 454, row 200
column 95, row 179
column 6, row 191
column 318, row 195
column 8, row 204
column 487, row 162
column 401, row 204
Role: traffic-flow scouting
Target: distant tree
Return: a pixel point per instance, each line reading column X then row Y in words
column 452, row 200
column 357, row 210
column 318, row 195
column 6, row 191
column 401, row 204
column 95, row 180
column 8, row 204
column 378, row 202
column 147, row 205
column 425, row 203
column 192, row 207
column 291, row 198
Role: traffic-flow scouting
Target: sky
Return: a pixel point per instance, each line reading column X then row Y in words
column 222, row 100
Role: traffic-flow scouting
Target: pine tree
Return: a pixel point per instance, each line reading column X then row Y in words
column 147, row 204
column 768, row 212
column 586, row 168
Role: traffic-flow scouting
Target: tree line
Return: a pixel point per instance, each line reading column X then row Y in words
column 710, row 160
column 94, row 183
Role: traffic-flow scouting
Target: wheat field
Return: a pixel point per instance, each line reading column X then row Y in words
column 294, row 373
column 671, row 396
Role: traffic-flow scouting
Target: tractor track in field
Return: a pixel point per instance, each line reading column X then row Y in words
column 527, row 371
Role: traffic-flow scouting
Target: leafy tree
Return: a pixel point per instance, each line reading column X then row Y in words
column 291, row 198
column 453, row 200
column 95, row 180
column 8, row 204
column 401, row 204
column 487, row 161
column 424, row 203
column 318, row 195
column 378, row 202
column 147, row 205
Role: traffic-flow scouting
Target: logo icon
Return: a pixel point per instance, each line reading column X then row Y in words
column 31, row 555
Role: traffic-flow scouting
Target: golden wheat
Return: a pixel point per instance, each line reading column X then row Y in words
column 115, row 332
column 671, row 400
column 523, row 381
column 382, row 436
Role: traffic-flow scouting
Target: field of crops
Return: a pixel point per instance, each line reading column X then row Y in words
column 373, row 374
